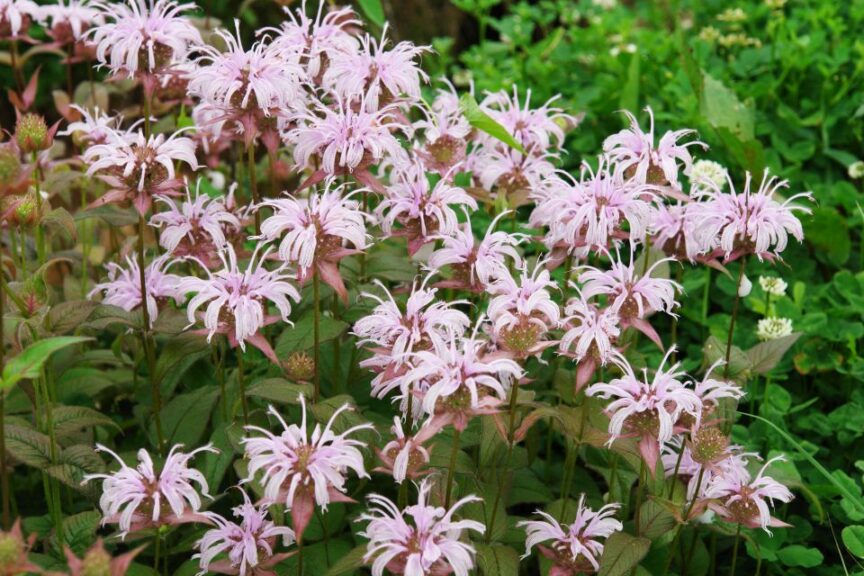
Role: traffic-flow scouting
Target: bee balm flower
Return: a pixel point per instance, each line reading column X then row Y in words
column 422, row 539
column 746, row 500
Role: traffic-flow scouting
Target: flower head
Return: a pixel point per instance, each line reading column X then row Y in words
column 574, row 548
column 675, row 230
column 634, row 150
column 97, row 561
column 123, row 288
column 249, row 545
column 69, row 20
column 773, row 328
column 15, row 17
column 315, row 232
column 445, row 130
column 752, row 222
column 590, row 336
column 378, row 74
column 773, row 285
column 301, row 470
column 743, row 499
column 140, row 497
column 92, row 129
column 405, row 456
column 143, row 36
column 537, row 129
column 237, row 299
column 422, row 539
column 645, row 408
column 710, row 172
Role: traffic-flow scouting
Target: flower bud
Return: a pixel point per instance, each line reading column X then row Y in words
column 300, row 367
column 97, row 562
column 10, row 551
column 10, row 166
column 26, row 212
column 709, row 445
column 31, row 132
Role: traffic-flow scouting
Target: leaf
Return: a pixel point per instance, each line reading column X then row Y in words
column 802, row 556
column 111, row 214
column 482, row 121
column 28, row 363
column 496, row 560
column 630, row 91
column 739, row 363
column 67, row 316
column 79, row 530
column 28, row 446
column 828, row 230
column 350, row 562
column 177, row 356
column 853, row 538
column 214, row 466
column 722, row 109
column 59, row 220
column 68, row 419
column 656, row 520
column 374, row 11
column 279, row 390
column 766, row 355
column 301, row 337
column 186, row 417
column 622, row 553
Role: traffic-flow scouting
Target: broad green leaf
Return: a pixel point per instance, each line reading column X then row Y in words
column 374, row 11
column 766, row 355
column 67, row 316
column 59, row 220
column 301, row 336
column 655, row 520
column 496, row 560
column 79, row 530
column 828, row 230
column 28, row 363
column 622, row 553
column 802, row 556
column 348, row 563
column 485, row 123
column 722, row 109
column 630, row 91
column 185, row 418
column 177, row 356
column 68, row 419
column 853, row 538
column 279, row 390
column 28, row 446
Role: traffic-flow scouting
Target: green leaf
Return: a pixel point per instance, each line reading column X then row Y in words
column 622, row 553
column 853, row 538
column 766, row 355
column 630, row 91
column 301, row 337
column 722, row 109
column 79, row 530
column 28, row 446
column 59, row 220
column 111, row 214
column 656, row 520
column 485, row 123
column 802, row 556
column 28, row 363
column 185, row 418
column 496, row 560
column 349, row 563
column 827, row 230
column 374, row 11
column 279, row 390
column 67, row 316
column 68, row 419
column 177, row 356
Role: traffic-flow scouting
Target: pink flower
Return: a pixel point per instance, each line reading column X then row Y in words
column 95, row 128
column 143, row 36
column 537, row 129
column 575, row 548
column 405, row 456
column 732, row 463
column 301, row 470
column 379, row 75
column 648, row 410
column 315, row 41
column 511, row 173
column 445, row 130
column 458, row 379
column 249, row 544
column 422, row 539
column 71, row 19
column 241, row 79
column 197, row 227
column 745, row 500
column 522, row 310
column 634, row 151
column 237, row 299
column 133, row 497
column 15, row 17
column 123, row 288
column 752, row 222
column 633, row 295
column 476, row 266
column 138, row 168
column 343, row 139
column 594, row 212
column 711, row 390
column 676, row 230
column 315, row 232
column 591, row 335
column 423, row 211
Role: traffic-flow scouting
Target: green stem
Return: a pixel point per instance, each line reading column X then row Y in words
column 147, row 341
column 735, row 306
column 672, row 546
column 706, row 300
column 253, row 185
column 300, row 557
column 316, row 332
column 640, row 491
column 735, row 551
column 40, row 231
column 514, row 396
column 241, row 380
column 85, row 245
column 157, row 549
column 452, row 468
column 4, row 477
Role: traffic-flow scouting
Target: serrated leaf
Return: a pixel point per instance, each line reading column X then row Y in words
column 59, row 220
column 622, row 553
column 28, row 446
column 279, row 390
column 185, row 418
column 68, row 419
column 67, row 316
column 655, row 520
column 496, row 560
column 301, row 337
column 766, row 355
column 29, row 361
column 79, row 530
column 739, row 363
column 111, row 214
column 482, row 121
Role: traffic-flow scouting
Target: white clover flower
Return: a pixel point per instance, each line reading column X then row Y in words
column 773, row 328
column 856, row 170
column 773, row 286
column 708, row 171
